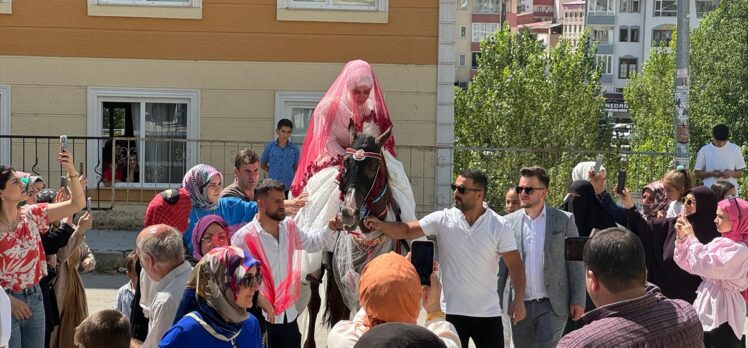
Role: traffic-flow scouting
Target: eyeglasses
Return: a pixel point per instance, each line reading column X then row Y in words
column 528, row 189
column 461, row 189
column 217, row 239
column 688, row 201
column 731, row 196
column 251, row 280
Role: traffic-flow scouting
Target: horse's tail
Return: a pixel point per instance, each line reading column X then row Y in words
column 335, row 309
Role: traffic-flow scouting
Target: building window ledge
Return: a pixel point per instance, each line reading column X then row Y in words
column 6, row 7
column 191, row 9
column 288, row 10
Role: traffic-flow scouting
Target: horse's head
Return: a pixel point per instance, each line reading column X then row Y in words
column 363, row 180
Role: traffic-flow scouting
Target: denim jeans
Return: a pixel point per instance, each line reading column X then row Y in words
column 29, row 333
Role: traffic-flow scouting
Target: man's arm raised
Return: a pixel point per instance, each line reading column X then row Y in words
column 395, row 230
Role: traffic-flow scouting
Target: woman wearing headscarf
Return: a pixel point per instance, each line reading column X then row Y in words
column 658, row 237
column 204, row 184
column 36, row 184
column 723, row 264
column 226, row 280
column 210, row 232
column 589, row 214
column 390, row 291
column 654, row 201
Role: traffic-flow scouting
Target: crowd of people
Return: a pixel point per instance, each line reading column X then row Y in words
column 219, row 266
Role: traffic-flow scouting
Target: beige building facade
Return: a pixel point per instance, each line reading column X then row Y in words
column 217, row 75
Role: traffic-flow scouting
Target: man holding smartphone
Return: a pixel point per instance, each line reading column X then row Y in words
column 720, row 160
column 471, row 238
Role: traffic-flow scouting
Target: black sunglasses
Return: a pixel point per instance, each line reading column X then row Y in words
column 461, row 189
column 688, row 201
column 528, row 189
column 251, row 280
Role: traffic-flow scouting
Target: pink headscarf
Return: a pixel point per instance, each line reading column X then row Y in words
column 200, row 227
column 327, row 135
column 737, row 211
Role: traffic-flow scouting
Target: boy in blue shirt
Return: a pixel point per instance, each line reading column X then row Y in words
column 281, row 156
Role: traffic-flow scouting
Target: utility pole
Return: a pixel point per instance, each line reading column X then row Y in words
column 682, row 157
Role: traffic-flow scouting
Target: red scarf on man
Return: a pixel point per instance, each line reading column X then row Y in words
column 285, row 294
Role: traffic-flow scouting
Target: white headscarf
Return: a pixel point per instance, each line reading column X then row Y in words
column 580, row 171
column 4, row 319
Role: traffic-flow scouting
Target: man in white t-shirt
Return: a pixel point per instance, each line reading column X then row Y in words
column 720, row 160
column 471, row 237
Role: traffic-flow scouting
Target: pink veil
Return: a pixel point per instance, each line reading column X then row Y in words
column 327, row 134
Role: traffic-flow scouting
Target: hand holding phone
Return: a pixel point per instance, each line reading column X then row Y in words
column 422, row 258
column 88, row 205
column 621, row 181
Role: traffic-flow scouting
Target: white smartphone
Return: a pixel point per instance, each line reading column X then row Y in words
column 63, row 141
column 598, row 163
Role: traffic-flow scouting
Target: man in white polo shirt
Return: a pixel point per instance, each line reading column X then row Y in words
column 471, row 237
column 720, row 160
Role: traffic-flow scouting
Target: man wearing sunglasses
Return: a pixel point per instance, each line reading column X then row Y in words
column 471, row 237
column 555, row 287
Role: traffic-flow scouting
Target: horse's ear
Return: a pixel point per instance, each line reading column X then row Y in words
column 352, row 130
column 382, row 139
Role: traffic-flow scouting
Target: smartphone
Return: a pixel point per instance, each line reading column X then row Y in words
column 598, row 163
column 63, row 181
column 621, row 181
column 88, row 205
column 574, row 248
column 63, row 142
column 422, row 257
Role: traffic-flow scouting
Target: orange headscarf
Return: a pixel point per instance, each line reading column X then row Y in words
column 390, row 290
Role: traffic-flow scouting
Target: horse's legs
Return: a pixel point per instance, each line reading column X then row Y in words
column 315, row 301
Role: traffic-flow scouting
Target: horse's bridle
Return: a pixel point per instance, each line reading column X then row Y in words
column 368, row 201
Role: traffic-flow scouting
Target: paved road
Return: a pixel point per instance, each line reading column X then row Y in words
column 101, row 290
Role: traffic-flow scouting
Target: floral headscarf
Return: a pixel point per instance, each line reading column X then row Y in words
column 661, row 202
column 219, row 276
column 200, row 227
column 196, row 180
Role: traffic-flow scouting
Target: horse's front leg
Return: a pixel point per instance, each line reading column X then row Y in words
column 315, row 301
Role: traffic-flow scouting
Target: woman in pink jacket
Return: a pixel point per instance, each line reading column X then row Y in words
column 723, row 264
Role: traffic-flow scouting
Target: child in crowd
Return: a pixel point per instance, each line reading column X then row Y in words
column 125, row 294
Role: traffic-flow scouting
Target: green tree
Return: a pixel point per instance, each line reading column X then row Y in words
column 650, row 98
column 525, row 97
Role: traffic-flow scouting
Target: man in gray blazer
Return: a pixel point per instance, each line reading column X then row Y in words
column 555, row 288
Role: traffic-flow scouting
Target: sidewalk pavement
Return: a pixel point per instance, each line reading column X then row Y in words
column 110, row 247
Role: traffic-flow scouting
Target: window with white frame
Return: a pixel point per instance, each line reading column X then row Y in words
column 462, row 60
column 5, row 124
column 463, row 31
column 482, row 30
column 661, row 36
column 634, row 32
column 486, row 6
column 180, row 3
column 297, row 107
column 463, row 4
column 623, row 34
column 666, row 8
column 602, row 34
column 153, row 126
column 604, row 62
column 602, row 8
column 6, row 6
column 705, row 6
column 630, row 6
column 356, row 5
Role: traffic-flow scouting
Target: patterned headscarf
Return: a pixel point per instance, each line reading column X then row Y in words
column 661, row 202
column 200, row 227
column 390, row 290
column 219, row 276
column 737, row 211
column 46, row 196
column 195, row 182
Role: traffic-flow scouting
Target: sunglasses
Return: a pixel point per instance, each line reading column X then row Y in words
column 528, row 190
column 688, row 201
column 217, row 240
column 251, row 280
column 461, row 189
